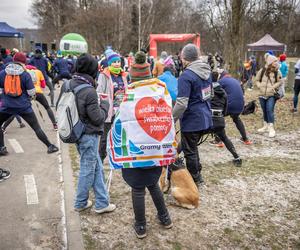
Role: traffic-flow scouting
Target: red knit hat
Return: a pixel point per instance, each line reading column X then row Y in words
column 282, row 57
column 20, row 57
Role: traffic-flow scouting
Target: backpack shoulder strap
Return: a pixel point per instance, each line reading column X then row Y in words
column 276, row 76
column 80, row 87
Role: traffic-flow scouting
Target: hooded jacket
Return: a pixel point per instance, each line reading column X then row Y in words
column 193, row 100
column 22, row 103
column 90, row 113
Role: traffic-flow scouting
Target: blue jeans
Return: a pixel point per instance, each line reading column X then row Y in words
column 91, row 173
column 267, row 106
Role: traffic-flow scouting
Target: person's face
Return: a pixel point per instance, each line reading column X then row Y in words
column 116, row 64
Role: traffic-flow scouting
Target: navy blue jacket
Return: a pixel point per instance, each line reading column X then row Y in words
column 197, row 116
column 234, row 93
column 40, row 63
column 22, row 103
column 61, row 66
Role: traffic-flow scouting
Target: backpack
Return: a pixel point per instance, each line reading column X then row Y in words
column 70, row 127
column 12, row 85
column 250, row 108
column 33, row 76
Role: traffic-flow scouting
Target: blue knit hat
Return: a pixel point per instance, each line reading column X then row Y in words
column 113, row 58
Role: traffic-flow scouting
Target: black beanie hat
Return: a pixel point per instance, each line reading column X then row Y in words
column 86, row 64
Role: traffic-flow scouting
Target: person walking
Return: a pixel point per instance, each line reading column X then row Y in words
column 236, row 102
column 93, row 115
column 193, row 108
column 141, row 178
column 17, row 88
column 112, row 84
column 296, row 87
column 41, row 63
column 268, row 81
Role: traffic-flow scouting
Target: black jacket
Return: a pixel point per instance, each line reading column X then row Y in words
column 90, row 112
column 219, row 102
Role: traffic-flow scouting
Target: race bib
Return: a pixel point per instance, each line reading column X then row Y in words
column 206, row 93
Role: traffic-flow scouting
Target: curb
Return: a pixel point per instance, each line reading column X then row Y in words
column 74, row 235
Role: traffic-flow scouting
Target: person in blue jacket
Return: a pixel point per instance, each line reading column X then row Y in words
column 61, row 66
column 170, row 80
column 41, row 63
column 193, row 108
column 284, row 69
column 236, row 102
column 17, row 101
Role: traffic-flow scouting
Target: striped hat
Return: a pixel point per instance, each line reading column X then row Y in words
column 114, row 57
column 140, row 70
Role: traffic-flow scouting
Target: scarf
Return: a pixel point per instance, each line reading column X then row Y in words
column 114, row 70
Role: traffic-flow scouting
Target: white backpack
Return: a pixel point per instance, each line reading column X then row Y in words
column 70, row 127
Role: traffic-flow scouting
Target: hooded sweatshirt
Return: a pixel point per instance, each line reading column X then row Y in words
column 193, row 100
column 20, row 104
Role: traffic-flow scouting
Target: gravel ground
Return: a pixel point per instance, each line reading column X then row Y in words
column 253, row 207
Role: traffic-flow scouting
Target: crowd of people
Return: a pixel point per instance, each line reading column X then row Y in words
column 202, row 96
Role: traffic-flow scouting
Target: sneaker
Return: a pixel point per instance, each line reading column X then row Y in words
column 55, row 127
column 88, row 205
column 111, row 207
column 237, row 162
column 217, row 144
column 3, row 151
column 22, row 125
column 246, row 142
column 140, row 231
column 166, row 221
column 52, row 149
column 4, row 174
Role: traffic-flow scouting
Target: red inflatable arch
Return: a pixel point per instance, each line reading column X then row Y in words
column 154, row 38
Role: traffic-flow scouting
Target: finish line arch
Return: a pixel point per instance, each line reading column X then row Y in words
column 155, row 38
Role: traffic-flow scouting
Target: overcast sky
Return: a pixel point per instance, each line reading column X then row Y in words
column 16, row 13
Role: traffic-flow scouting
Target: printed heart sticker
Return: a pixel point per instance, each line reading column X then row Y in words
column 154, row 117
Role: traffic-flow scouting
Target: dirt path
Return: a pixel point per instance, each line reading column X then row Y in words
column 253, row 207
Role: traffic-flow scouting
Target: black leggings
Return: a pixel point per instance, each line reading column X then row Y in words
column 30, row 118
column 138, row 201
column 51, row 88
column 239, row 125
column 221, row 134
column 10, row 119
column 42, row 100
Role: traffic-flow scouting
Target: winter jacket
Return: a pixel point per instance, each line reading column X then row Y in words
column 37, row 78
column 22, row 103
column 90, row 113
column 284, row 69
column 171, row 82
column 218, row 106
column 193, row 100
column 61, row 66
column 106, row 86
column 40, row 63
column 234, row 93
column 158, row 69
column 268, row 85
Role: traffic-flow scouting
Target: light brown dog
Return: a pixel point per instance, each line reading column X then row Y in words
column 183, row 187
